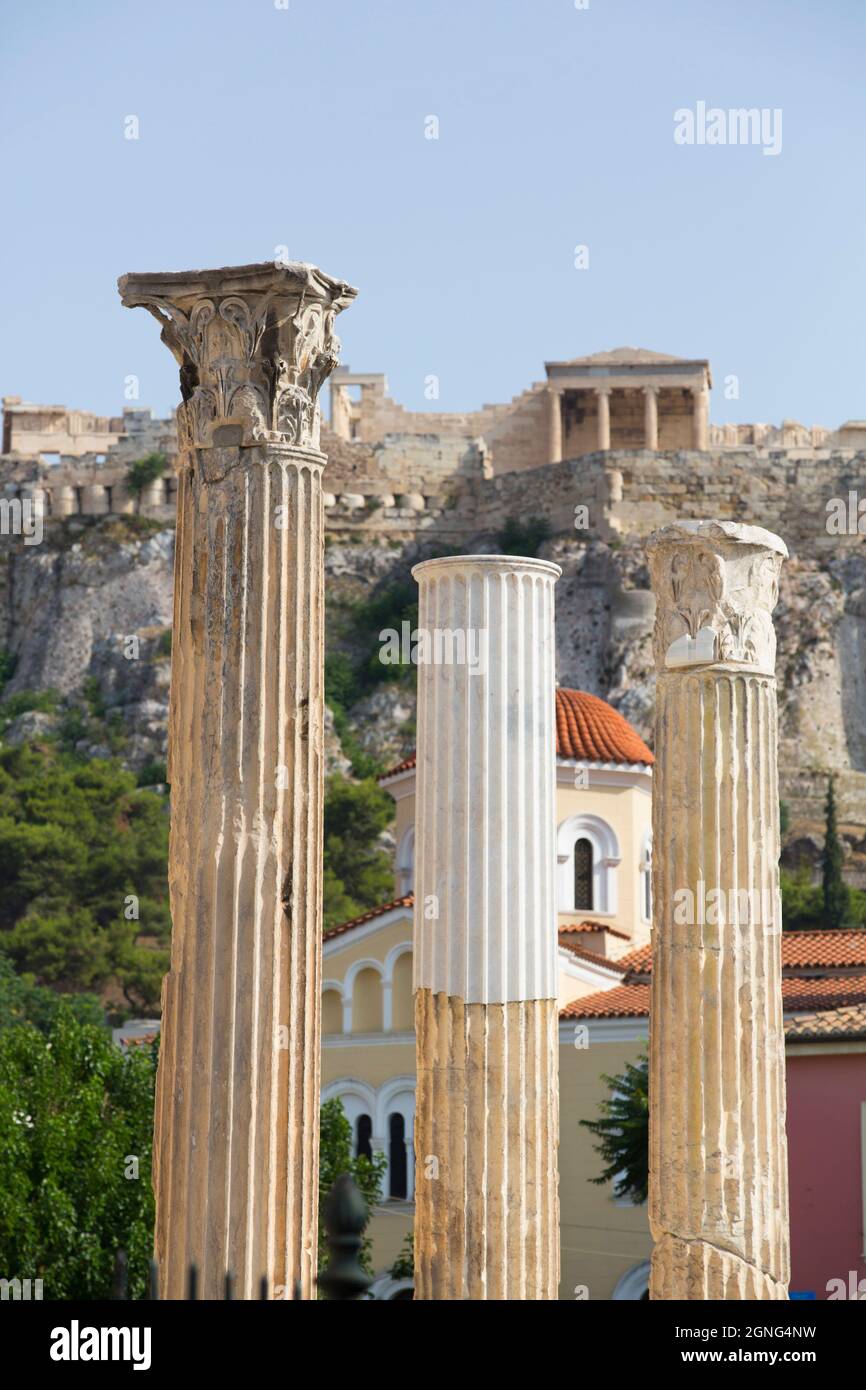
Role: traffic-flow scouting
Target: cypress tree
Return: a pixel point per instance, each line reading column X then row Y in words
column 835, row 889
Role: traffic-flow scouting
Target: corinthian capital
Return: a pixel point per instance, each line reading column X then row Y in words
column 716, row 585
column 254, row 344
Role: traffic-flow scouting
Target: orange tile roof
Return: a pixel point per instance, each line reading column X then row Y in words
column 623, row 1001
column 595, row 956
column 804, row 949
column 405, row 766
column 828, row 992
column 839, row 1025
column 801, row 950
column 584, row 928
column 407, row 901
column 632, row 998
column 587, row 729
column 591, row 730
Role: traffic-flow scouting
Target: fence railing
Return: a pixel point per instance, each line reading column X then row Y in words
column 344, row 1278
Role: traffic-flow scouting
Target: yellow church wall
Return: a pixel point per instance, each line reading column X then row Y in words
column 374, row 1063
column 628, row 812
column 601, row 1238
column 373, row 946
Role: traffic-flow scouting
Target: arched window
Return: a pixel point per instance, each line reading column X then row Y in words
column 406, row 863
column 397, row 1167
column 332, row 1012
column 363, row 1135
column 583, row 894
column 367, row 1001
column 587, row 856
column 402, row 1001
column 646, row 870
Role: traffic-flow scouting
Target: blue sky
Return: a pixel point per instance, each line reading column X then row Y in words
column 261, row 127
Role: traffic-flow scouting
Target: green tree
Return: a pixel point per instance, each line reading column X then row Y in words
column 404, row 1265
column 357, row 873
column 802, row 901
column 83, row 893
column 524, row 535
column 336, row 1157
column 623, row 1132
column 76, row 1123
column 144, row 471
column 834, row 888
column 22, row 1001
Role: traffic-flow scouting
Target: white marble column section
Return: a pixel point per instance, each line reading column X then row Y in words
column 701, row 418
column 237, row 1105
column 651, row 417
column 554, row 399
column 718, row 1200
column 486, row 1125
column 602, row 395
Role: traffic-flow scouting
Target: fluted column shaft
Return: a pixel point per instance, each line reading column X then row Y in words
column 718, row 1162
column 554, row 404
column 602, row 396
column 237, row 1108
column 651, row 417
column 486, row 1128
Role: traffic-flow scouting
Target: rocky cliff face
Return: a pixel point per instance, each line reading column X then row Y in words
column 69, row 607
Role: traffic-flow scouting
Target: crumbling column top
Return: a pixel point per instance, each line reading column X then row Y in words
column 720, row 532
column 140, row 289
column 254, row 344
column 716, row 584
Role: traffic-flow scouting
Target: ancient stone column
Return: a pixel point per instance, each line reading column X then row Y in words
column 718, row 1165
column 555, row 424
column 486, row 1124
column 237, row 1110
column 602, row 396
column 651, row 417
column 701, row 418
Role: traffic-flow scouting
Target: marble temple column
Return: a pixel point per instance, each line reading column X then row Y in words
column 701, row 418
column 718, row 1198
column 651, row 417
column 602, row 396
column 554, row 400
column 237, row 1109
column 487, row 1116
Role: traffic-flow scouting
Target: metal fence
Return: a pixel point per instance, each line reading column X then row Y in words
column 344, row 1277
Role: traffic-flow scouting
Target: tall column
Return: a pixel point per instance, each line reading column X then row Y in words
column 602, row 396
column 701, row 418
column 487, row 1116
column 718, row 1164
column 237, row 1108
column 651, row 417
column 554, row 399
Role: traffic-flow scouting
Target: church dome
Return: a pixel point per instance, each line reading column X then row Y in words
column 592, row 731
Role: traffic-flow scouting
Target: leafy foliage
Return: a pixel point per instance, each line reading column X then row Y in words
column 336, row 1157
column 74, row 1110
column 524, row 535
column 623, row 1132
column 78, row 841
column 404, row 1265
column 21, row 1001
column 357, row 873
column 144, row 471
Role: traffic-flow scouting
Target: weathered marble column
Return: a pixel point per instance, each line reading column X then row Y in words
column 718, row 1164
column 554, row 425
column 651, row 417
column 487, row 1118
column 237, row 1109
column 701, row 418
column 602, row 396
